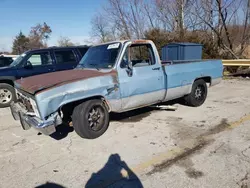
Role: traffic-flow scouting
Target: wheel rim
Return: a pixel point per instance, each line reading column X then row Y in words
column 96, row 118
column 199, row 93
column 5, row 96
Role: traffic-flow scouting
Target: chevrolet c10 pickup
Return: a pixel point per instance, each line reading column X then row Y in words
column 112, row 77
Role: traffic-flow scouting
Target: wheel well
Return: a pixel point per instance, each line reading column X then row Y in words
column 10, row 82
column 68, row 108
column 207, row 79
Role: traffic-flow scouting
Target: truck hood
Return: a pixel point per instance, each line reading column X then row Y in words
column 41, row 82
column 6, row 68
column 8, row 72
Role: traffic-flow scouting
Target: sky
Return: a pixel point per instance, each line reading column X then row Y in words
column 70, row 18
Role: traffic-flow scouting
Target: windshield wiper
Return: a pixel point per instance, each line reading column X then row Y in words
column 94, row 66
column 79, row 66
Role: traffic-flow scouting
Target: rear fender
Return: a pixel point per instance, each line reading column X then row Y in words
column 207, row 79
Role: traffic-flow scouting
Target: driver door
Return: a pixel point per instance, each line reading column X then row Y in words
column 37, row 63
column 143, row 84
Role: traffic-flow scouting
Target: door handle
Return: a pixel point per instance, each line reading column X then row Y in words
column 158, row 68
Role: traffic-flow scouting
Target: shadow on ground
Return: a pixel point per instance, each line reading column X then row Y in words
column 50, row 185
column 115, row 173
column 62, row 131
column 138, row 114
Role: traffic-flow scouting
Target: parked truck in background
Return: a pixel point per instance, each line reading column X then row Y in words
column 5, row 61
column 36, row 62
column 111, row 77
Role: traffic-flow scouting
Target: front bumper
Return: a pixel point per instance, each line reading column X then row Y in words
column 27, row 121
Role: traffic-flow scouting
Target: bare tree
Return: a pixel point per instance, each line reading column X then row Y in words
column 218, row 16
column 167, row 14
column 65, row 41
column 100, row 28
column 126, row 18
column 39, row 35
column 117, row 14
column 222, row 25
column 136, row 17
column 246, row 28
column 151, row 15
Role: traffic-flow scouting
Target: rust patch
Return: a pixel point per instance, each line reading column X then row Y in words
column 44, row 81
column 141, row 41
column 115, row 78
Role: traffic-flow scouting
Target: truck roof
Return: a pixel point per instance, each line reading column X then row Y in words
column 139, row 41
column 182, row 44
column 60, row 48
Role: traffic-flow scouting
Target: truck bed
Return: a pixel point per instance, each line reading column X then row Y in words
column 185, row 61
column 180, row 75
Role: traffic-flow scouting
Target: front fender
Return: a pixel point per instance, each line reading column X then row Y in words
column 50, row 101
column 11, row 78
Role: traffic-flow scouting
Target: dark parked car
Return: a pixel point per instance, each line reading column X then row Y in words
column 5, row 61
column 36, row 62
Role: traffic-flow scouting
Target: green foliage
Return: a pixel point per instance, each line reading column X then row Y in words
column 20, row 44
column 37, row 38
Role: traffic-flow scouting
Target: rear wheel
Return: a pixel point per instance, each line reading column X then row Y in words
column 198, row 94
column 90, row 119
column 7, row 95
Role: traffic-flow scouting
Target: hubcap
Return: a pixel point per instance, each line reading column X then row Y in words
column 5, row 96
column 96, row 118
column 199, row 93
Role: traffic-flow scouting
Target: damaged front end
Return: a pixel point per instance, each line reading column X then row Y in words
column 42, row 108
column 25, row 110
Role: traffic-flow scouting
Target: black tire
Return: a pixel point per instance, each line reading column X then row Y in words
column 7, row 95
column 198, row 94
column 85, row 120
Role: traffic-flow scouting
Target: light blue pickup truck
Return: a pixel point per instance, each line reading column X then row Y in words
column 112, row 77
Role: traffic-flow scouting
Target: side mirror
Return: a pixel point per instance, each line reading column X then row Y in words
column 129, row 69
column 28, row 65
column 130, row 65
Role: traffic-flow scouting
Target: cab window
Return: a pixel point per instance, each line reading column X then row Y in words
column 65, row 57
column 140, row 55
column 39, row 59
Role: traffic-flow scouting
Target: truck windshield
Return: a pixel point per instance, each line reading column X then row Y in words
column 100, row 57
column 17, row 60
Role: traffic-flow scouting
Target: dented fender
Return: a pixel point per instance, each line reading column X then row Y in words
column 106, row 87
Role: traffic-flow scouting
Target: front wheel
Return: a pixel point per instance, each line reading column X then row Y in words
column 198, row 94
column 7, row 95
column 90, row 119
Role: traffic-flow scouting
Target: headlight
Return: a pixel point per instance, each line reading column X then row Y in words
column 34, row 106
column 16, row 93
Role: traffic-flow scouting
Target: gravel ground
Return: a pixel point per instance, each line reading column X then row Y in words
column 207, row 146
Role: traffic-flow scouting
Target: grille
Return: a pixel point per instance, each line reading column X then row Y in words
column 25, row 102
